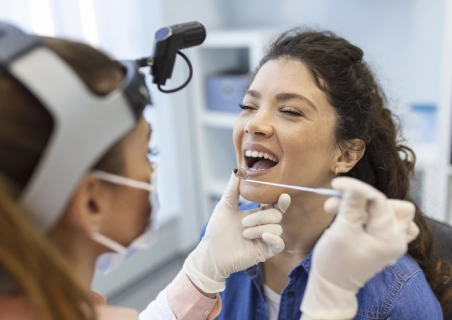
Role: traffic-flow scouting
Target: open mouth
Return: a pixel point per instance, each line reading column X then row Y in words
column 260, row 161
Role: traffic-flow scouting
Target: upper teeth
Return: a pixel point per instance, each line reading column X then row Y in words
column 260, row 154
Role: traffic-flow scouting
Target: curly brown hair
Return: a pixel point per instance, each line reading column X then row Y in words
column 360, row 105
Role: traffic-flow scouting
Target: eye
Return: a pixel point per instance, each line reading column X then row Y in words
column 292, row 112
column 246, row 107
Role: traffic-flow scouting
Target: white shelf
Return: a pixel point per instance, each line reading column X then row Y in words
column 217, row 119
column 235, row 38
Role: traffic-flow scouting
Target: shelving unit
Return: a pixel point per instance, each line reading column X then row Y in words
column 222, row 51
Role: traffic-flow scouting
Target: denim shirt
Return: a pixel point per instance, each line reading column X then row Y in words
column 399, row 292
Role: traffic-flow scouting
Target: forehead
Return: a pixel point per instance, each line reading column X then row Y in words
column 286, row 75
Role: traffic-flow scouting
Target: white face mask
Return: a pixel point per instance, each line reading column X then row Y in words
column 111, row 260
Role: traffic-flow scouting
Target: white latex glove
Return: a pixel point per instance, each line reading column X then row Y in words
column 347, row 255
column 228, row 246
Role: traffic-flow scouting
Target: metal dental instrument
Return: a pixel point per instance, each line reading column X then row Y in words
column 242, row 174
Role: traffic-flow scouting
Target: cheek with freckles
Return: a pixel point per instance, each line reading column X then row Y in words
column 308, row 159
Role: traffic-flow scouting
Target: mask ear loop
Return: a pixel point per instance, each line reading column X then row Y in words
column 99, row 238
column 113, row 245
column 113, row 178
column 116, row 179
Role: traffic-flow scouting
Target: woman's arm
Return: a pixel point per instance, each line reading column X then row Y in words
column 181, row 300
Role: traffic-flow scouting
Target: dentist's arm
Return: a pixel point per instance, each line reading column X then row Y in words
column 357, row 253
column 226, row 247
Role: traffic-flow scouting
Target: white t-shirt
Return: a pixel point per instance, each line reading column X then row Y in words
column 273, row 301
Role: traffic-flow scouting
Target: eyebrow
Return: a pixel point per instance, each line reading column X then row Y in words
column 285, row 96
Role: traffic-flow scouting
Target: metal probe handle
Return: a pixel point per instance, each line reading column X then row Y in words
column 242, row 174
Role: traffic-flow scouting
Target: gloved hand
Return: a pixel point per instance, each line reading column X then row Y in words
column 347, row 255
column 229, row 246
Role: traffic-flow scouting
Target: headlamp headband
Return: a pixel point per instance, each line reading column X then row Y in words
column 85, row 125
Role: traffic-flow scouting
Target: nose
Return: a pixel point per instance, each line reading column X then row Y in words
column 260, row 124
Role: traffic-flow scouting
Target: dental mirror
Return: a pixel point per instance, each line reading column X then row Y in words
column 242, row 174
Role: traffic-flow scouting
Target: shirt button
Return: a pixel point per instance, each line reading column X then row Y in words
column 206, row 313
column 290, row 293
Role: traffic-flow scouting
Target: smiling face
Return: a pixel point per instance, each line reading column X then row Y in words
column 285, row 132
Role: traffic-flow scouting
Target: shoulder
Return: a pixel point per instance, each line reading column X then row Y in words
column 115, row 313
column 399, row 292
column 18, row 308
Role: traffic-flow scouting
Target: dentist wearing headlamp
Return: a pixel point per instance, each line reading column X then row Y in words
column 75, row 182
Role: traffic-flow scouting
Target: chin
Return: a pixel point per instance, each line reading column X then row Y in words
column 259, row 194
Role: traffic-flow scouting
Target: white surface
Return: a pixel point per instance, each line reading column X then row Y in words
column 245, row 38
column 217, row 119
column 273, row 302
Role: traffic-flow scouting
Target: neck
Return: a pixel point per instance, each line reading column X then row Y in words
column 304, row 223
column 79, row 253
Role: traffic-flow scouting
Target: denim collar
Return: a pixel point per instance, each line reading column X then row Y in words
column 255, row 272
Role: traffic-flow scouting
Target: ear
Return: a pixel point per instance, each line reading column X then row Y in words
column 347, row 159
column 89, row 205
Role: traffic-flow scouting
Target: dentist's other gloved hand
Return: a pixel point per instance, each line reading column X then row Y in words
column 348, row 254
column 229, row 246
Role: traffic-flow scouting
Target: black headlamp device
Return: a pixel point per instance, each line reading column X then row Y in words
column 168, row 42
column 85, row 124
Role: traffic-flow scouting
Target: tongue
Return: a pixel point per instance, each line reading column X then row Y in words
column 263, row 164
